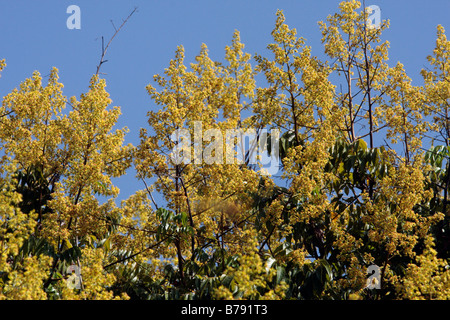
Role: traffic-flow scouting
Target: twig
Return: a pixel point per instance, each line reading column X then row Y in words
column 104, row 49
column 112, row 22
column 148, row 190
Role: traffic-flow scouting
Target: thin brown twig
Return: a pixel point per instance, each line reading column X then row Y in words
column 148, row 190
column 104, row 49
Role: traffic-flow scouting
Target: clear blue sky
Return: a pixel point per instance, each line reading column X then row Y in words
column 34, row 36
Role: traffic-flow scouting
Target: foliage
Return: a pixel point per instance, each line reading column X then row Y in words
column 360, row 182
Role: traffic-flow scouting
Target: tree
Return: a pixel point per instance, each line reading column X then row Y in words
column 62, row 162
column 358, row 185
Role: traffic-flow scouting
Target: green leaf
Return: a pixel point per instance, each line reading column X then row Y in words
column 269, row 263
column 107, row 244
column 362, row 145
column 346, row 190
column 281, row 274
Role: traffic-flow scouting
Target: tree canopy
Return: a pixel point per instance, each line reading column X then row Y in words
column 362, row 177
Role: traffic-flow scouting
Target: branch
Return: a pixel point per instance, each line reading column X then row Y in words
column 104, row 49
column 148, row 190
column 135, row 254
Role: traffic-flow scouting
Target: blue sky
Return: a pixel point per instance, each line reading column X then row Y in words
column 34, row 36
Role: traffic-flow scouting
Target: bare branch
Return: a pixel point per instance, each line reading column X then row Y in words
column 105, row 49
column 148, row 190
column 112, row 22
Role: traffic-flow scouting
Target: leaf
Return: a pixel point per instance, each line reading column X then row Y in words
column 362, row 145
column 281, row 275
column 346, row 190
column 107, row 244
